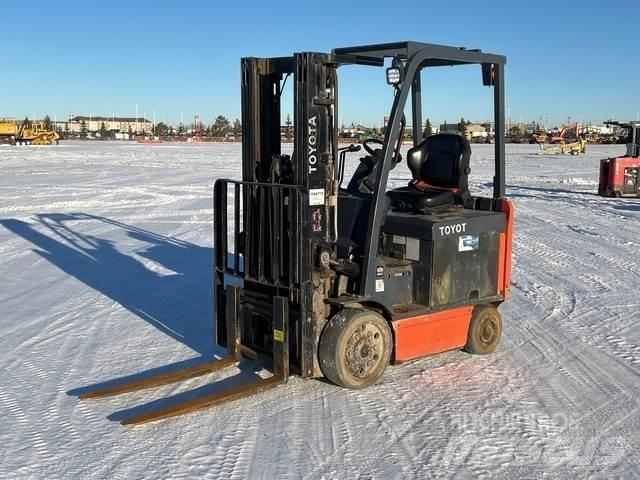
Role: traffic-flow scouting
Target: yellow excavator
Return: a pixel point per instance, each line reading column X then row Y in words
column 35, row 134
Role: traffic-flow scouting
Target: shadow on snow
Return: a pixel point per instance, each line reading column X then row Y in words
column 179, row 304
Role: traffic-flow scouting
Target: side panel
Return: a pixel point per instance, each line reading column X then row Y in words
column 604, row 176
column 432, row 333
column 505, row 251
column 458, row 276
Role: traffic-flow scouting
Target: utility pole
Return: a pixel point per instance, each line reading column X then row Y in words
column 136, row 132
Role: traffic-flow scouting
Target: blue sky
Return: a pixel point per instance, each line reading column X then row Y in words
column 571, row 58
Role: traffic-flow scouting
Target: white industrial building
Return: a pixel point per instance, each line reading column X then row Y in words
column 113, row 124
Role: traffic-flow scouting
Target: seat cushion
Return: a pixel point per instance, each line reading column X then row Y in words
column 411, row 198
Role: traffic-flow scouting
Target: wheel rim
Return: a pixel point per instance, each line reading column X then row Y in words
column 364, row 350
column 488, row 331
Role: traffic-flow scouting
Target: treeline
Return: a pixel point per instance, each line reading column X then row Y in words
column 221, row 127
column 46, row 123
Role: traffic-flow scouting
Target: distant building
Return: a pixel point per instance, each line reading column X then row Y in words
column 448, row 128
column 112, row 124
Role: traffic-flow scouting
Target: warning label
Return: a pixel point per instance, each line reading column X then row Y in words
column 316, row 196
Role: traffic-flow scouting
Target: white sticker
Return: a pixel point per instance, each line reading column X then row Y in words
column 468, row 243
column 316, row 196
column 379, row 285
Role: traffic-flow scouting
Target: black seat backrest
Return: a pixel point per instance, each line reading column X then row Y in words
column 441, row 160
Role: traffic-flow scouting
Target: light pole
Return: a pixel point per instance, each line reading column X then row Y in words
column 136, row 132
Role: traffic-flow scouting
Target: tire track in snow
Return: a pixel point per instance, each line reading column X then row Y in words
column 26, row 427
column 418, row 412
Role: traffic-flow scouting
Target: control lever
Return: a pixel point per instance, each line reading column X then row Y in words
column 341, row 160
column 345, row 267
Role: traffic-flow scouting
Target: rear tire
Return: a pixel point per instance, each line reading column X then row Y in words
column 485, row 330
column 355, row 348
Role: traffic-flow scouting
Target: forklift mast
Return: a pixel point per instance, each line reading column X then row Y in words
column 284, row 200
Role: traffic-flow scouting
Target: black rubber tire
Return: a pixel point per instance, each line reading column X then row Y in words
column 355, row 348
column 485, row 330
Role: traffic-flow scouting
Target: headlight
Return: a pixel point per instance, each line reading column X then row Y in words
column 394, row 75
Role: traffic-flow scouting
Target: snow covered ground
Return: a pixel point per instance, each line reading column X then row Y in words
column 105, row 272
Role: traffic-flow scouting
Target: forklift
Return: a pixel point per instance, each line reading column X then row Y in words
column 322, row 277
column 620, row 176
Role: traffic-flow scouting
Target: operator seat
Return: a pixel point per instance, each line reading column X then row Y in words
column 440, row 167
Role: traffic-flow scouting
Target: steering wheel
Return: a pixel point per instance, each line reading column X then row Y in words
column 368, row 148
column 397, row 158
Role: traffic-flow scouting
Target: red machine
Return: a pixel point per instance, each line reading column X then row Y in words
column 620, row 176
column 569, row 133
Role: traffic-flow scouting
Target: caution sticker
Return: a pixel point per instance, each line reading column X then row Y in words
column 316, row 196
column 379, row 285
column 278, row 335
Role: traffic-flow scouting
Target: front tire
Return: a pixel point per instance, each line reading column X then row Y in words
column 485, row 330
column 355, row 348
